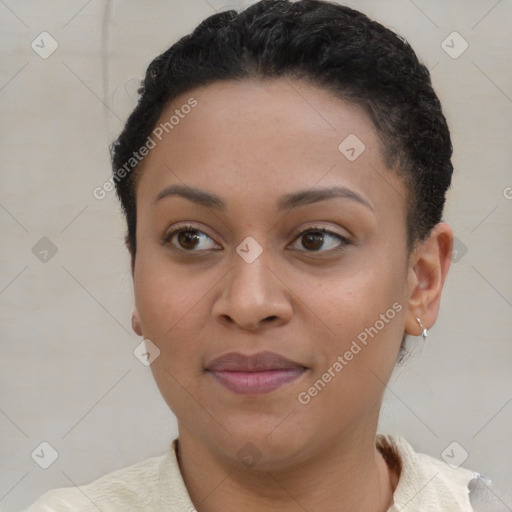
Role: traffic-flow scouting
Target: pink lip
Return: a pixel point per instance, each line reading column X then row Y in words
column 259, row 373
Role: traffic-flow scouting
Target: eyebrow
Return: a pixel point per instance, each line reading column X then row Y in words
column 286, row 202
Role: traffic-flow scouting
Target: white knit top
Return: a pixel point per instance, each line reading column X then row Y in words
column 426, row 484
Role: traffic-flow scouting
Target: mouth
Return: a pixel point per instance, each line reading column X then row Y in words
column 256, row 374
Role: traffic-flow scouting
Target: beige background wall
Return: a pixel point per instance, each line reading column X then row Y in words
column 68, row 375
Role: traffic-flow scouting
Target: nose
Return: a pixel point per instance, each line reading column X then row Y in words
column 253, row 296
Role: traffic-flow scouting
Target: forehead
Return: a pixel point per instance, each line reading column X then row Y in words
column 253, row 141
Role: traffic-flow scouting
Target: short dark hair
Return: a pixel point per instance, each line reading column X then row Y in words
column 329, row 45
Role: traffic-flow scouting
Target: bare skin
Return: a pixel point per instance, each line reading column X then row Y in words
column 250, row 143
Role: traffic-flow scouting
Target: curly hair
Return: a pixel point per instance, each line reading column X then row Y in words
column 329, row 45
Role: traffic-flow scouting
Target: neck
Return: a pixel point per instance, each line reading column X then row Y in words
column 349, row 476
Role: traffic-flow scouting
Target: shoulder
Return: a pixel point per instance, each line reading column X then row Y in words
column 133, row 487
column 430, row 484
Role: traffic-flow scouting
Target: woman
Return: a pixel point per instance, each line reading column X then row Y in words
column 283, row 178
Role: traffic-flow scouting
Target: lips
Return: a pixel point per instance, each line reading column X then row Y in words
column 255, row 374
column 263, row 361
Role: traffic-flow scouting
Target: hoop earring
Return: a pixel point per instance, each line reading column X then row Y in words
column 424, row 332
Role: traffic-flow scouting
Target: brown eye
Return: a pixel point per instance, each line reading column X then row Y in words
column 189, row 239
column 315, row 239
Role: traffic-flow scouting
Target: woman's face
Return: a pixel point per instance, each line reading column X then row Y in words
column 246, row 281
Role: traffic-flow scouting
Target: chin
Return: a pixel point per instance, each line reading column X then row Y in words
column 255, row 449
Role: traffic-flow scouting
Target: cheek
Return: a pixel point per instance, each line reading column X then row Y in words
column 171, row 306
column 351, row 300
column 360, row 312
column 172, row 316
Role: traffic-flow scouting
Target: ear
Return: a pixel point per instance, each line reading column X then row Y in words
column 136, row 324
column 428, row 267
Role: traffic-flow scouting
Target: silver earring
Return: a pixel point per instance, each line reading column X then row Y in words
column 424, row 333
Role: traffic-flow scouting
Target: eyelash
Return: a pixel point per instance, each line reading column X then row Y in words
column 188, row 227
